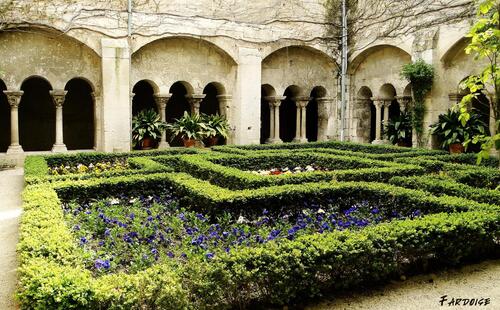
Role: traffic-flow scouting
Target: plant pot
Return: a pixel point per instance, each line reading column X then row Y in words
column 456, row 148
column 189, row 142
column 147, row 143
column 212, row 141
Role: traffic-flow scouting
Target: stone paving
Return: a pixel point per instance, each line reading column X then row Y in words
column 11, row 186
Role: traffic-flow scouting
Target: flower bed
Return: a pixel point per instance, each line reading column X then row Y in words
column 196, row 231
column 120, row 164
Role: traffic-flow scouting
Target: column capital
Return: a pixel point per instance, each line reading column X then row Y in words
column 224, row 97
column 13, row 97
column 302, row 102
column 455, row 97
column 59, row 97
column 195, row 97
column 275, row 100
column 162, row 100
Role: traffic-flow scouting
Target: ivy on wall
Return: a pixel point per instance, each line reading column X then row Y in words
column 421, row 76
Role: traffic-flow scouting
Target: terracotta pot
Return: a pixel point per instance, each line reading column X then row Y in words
column 189, row 142
column 456, row 148
column 212, row 141
column 147, row 143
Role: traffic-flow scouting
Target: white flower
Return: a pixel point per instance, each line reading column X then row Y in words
column 321, row 211
column 132, row 200
column 114, row 201
column 241, row 220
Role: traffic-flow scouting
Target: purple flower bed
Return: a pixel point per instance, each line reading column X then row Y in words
column 130, row 234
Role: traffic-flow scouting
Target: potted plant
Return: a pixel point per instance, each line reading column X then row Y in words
column 190, row 128
column 398, row 129
column 147, row 128
column 453, row 134
column 217, row 126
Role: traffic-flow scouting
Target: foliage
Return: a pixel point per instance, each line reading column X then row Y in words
column 421, row 76
column 189, row 127
column 399, row 128
column 449, row 129
column 485, row 45
column 147, row 124
column 97, row 168
column 217, row 125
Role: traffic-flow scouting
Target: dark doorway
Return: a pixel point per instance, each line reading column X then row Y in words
column 4, row 119
column 78, row 116
column 210, row 104
column 265, row 115
column 143, row 97
column 373, row 121
column 312, row 120
column 288, row 115
column 177, row 105
column 37, row 124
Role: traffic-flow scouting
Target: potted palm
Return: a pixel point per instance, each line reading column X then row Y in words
column 147, row 128
column 190, row 128
column 453, row 134
column 398, row 129
column 218, row 127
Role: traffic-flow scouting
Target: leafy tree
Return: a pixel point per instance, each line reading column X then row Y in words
column 485, row 46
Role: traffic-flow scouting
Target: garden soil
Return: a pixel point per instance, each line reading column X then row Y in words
column 11, row 186
column 424, row 292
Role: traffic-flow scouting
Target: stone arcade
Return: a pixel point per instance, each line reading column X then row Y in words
column 267, row 68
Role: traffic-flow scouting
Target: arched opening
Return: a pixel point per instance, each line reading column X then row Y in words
column 78, row 115
column 143, row 97
column 312, row 114
column 37, row 124
column 265, row 113
column 4, row 119
column 177, row 105
column 366, row 115
column 288, row 114
column 210, row 104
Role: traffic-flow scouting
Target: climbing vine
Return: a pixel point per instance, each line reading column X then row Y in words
column 421, row 76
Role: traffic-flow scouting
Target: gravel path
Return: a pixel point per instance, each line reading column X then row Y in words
column 11, row 186
column 425, row 291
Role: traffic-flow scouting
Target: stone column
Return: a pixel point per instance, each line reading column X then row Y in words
column 297, row 123
column 324, row 113
column 302, row 103
column 116, row 102
column 195, row 102
column 161, row 102
column 14, row 98
column 404, row 103
column 274, row 105
column 378, row 120
column 225, row 105
column 387, row 104
column 59, row 96
column 271, row 122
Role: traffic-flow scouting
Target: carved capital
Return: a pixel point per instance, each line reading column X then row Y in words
column 324, row 107
column 59, row 96
column 455, row 97
column 14, row 97
column 275, row 101
column 162, row 100
column 195, row 99
column 301, row 102
column 225, row 98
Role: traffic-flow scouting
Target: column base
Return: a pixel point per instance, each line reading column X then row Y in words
column 15, row 149
column 378, row 142
column 274, row 141
column 59, row 148
column 300, row 140
column 163, row 145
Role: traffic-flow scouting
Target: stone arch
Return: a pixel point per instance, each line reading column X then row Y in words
column 303, row 66
column 387, row 91
column 56, row 56
column 210, row 105
column 364, row 115
column 79, row 115
column 144, row 92
column 174, row 59
column 4, row 119
column 288, row 113
column 358, row 58
column 36, row 115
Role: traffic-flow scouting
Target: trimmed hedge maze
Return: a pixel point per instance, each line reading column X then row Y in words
column 201, row 229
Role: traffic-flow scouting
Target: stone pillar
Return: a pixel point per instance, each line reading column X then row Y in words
column 301, row 103
column 195, row 102
column 404, row 103
column 297, row 123
column 59, row 96
column 271, row 122
column 161, row 103
column 14, row 98
column 387, row 104
column 274, row 105
column 324, row 113
column 225, row 105
column 247, row 95
column 378, row 120
column 116, row 106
